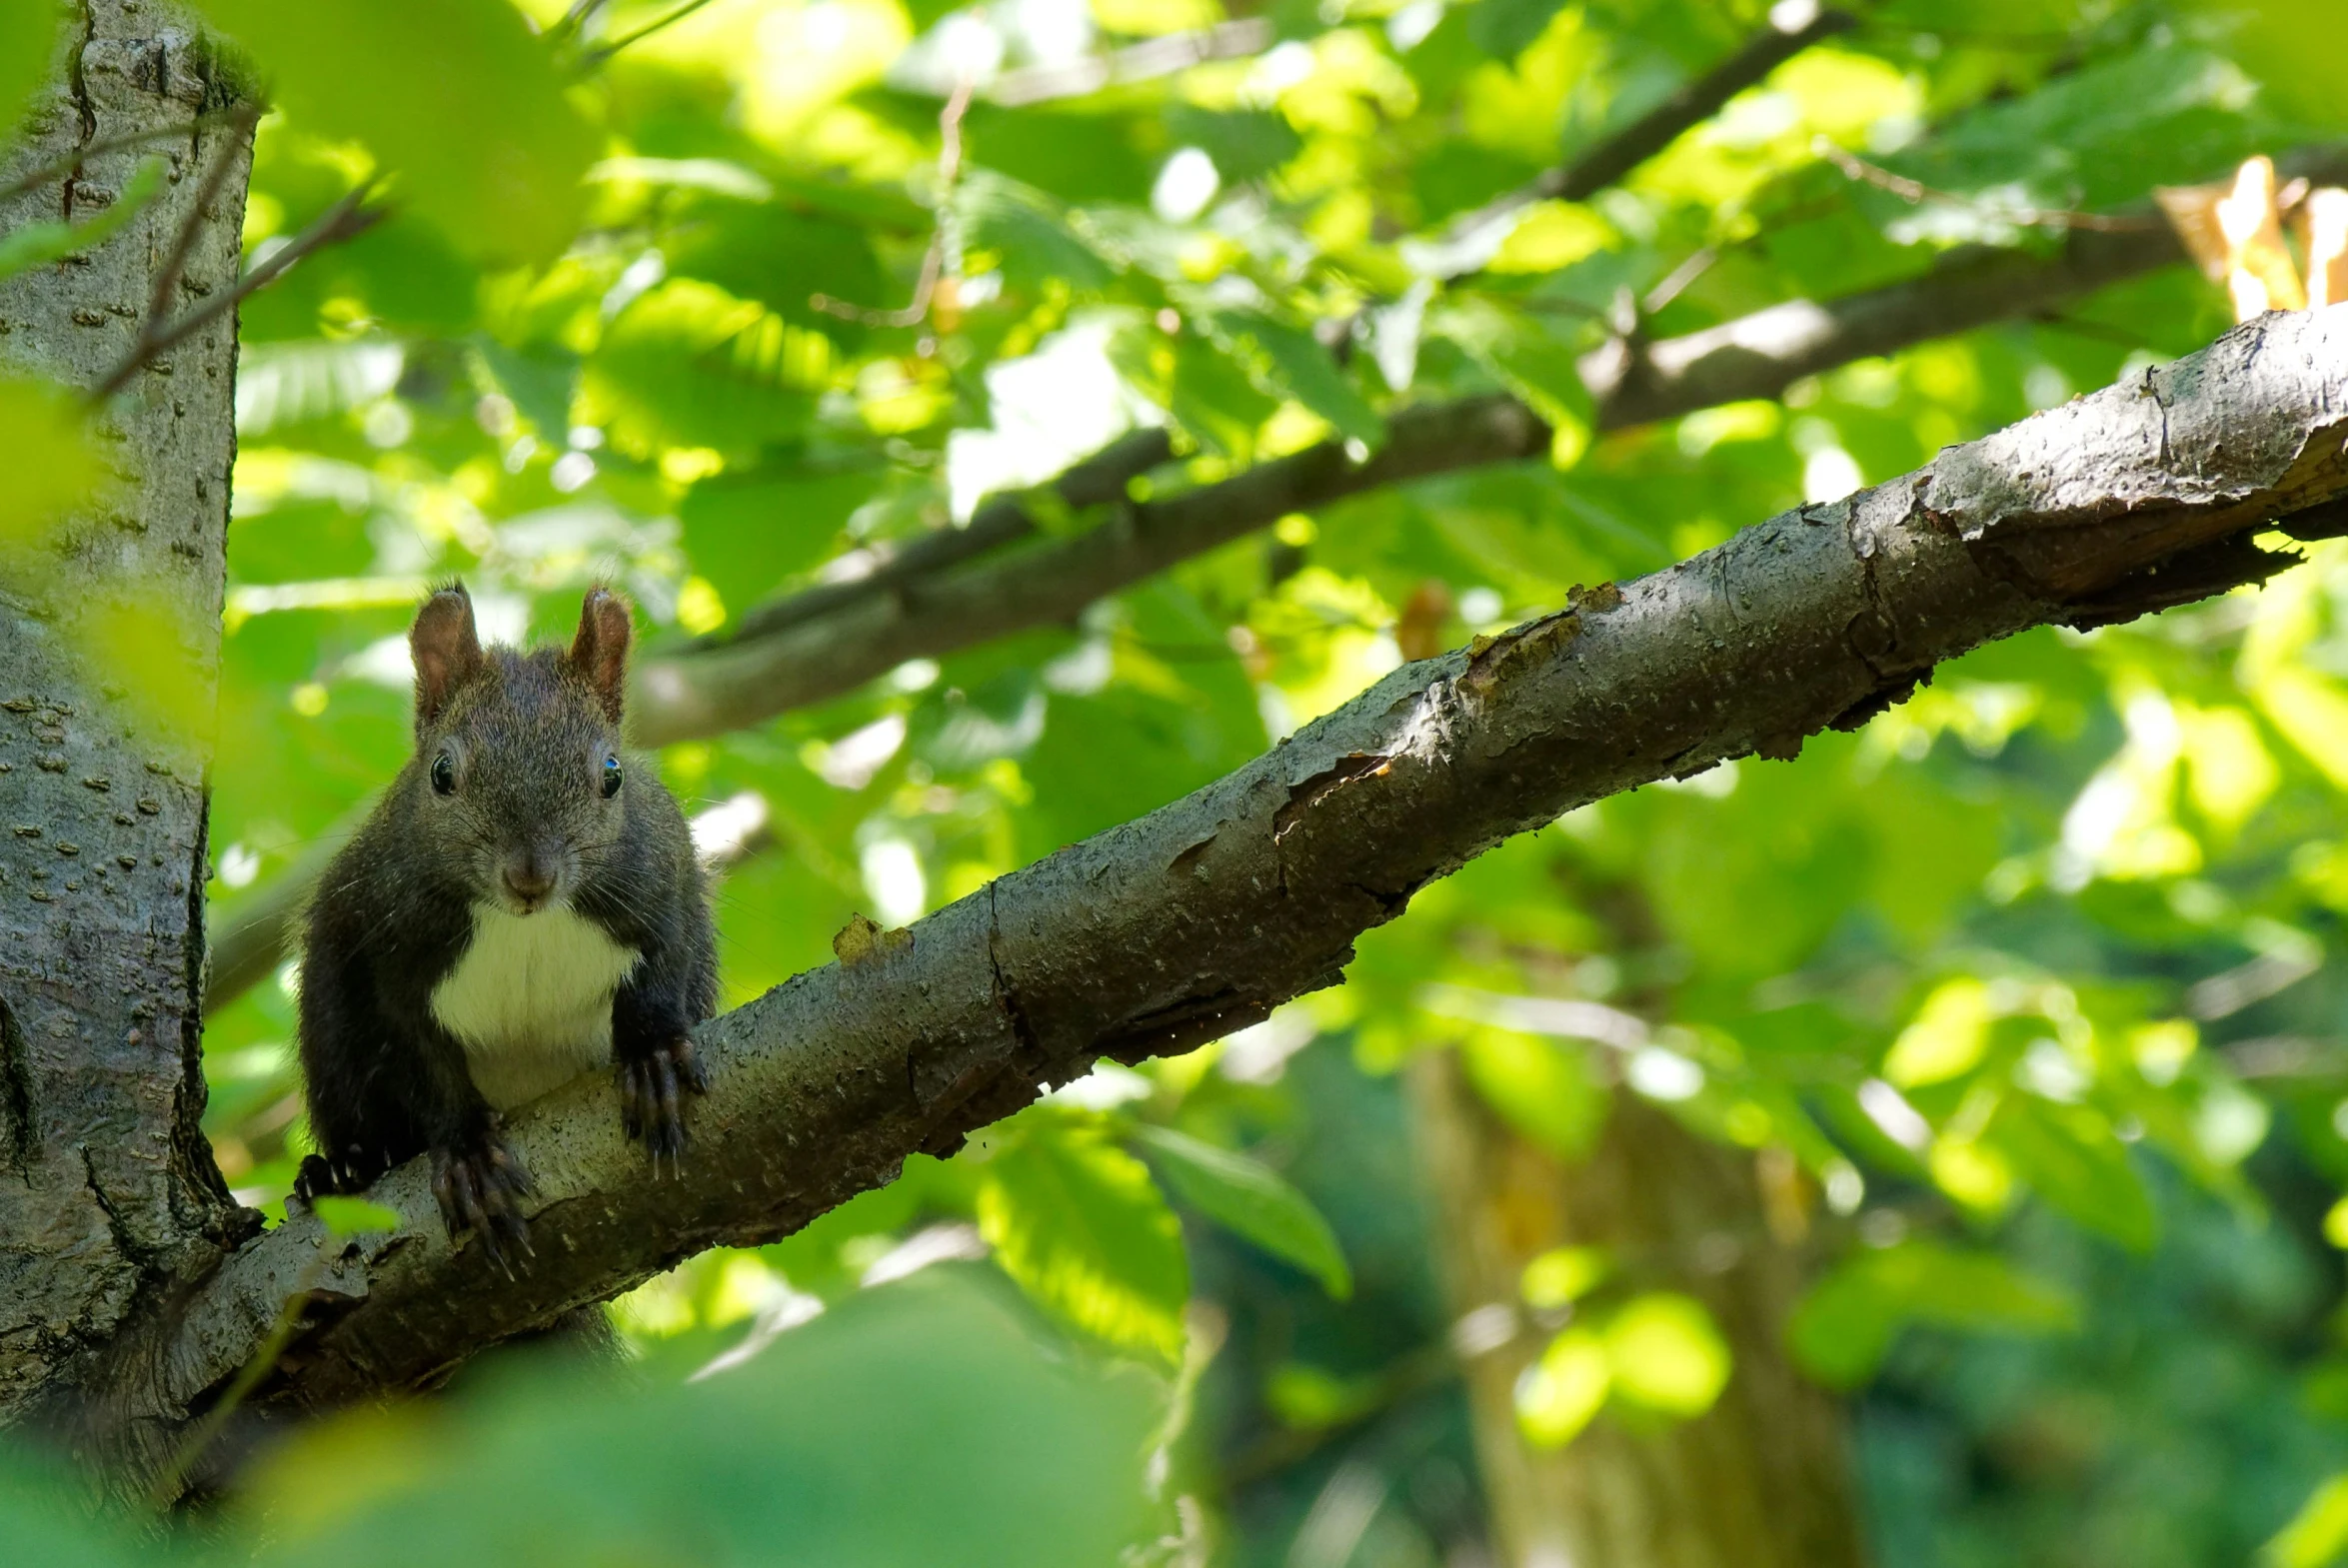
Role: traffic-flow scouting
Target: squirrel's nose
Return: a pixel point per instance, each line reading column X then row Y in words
column 526, row 881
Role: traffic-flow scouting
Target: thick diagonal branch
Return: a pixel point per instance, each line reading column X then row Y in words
column 1204, row 916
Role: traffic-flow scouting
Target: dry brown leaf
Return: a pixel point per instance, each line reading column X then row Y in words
column 2259, row 272
column 2322, row 222
column 2234, row 233
column 2192, row 212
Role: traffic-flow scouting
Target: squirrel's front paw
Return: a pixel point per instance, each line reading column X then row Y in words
column 480, row 1189
column 650, row 1103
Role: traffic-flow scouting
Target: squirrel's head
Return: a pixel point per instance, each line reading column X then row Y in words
column 519, row 783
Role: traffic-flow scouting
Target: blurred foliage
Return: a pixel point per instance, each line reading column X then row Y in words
column 2031, row 978
column 1027, row 1455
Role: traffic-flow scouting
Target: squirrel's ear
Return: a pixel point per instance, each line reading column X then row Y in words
column 599, row 653
column 446, row 648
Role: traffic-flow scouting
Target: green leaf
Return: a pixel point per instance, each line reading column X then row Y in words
column 1251, row 1200
column 1288, row 362
column 347, row 1216
column 1562, row 1275
column 455, row 97
column 2317, row 1535
column 686, row 363
column 747, row 529
column 1561, row 1393
column 1666, row 1353
column 1080, row 1224
column 782, row 258
column 46, row 456
column 282, row 383
column 1949, row 1038
column 2070, row 1157
column 1540, row 1086
column 38, row 244
column 44, row 1520
column 1529, row 355
column 1843, row 1328
column 1027, row 234
column 933, row 1420
column 28, row 42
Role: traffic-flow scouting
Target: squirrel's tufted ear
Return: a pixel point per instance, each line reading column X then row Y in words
column 446, row 648
column 599, row 653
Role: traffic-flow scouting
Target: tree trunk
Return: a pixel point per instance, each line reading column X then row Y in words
column 1759, row 1481
column 110, row 1205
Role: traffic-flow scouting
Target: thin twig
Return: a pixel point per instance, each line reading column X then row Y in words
column 580, row 14
column 1604, row 164
column 597, row 57
column 1917, row 192
column 1676, row 281
column 1134, row 63
column 71, row 163
column 933, row 260
column 345, row 218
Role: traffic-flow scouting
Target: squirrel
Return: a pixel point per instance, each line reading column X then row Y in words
column 521, row 906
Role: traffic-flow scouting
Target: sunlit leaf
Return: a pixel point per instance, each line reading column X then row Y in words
column 1665, row 1353
column 1563, row 1274
column 28, row 37
column 1541, row 1088
column 1948, row 1036
column 1559, row 1393
column 349, row 1216
column 799, row 1455
column 1027, row 234
column 49, row 465
column 38, row 244
column 1080, row 1224
column 2317, row 1535
column 690, row 365
column 1251, row 1200
column 453, row 96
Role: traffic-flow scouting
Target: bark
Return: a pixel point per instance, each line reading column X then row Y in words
column 1202, row 916
column 110, row 1203
column 1759, row 1481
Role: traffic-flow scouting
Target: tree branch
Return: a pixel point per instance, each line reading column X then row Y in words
column 1201, row 918
column 728, row 685
column 928, row 597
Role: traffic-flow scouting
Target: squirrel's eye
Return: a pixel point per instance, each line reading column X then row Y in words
column 611, row 775
column 444, row 774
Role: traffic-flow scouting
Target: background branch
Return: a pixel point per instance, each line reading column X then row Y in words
column 1790, row 30
column 1186, row 925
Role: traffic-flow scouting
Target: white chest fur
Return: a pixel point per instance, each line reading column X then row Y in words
column 531, row 1000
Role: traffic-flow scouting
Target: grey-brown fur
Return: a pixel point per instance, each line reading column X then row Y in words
column 503, row 805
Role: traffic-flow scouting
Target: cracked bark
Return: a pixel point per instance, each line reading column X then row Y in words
column 1204, row 914
column 109, row 1202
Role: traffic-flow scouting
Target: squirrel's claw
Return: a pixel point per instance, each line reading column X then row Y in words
column 650, row 1107
column 481, row 1190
